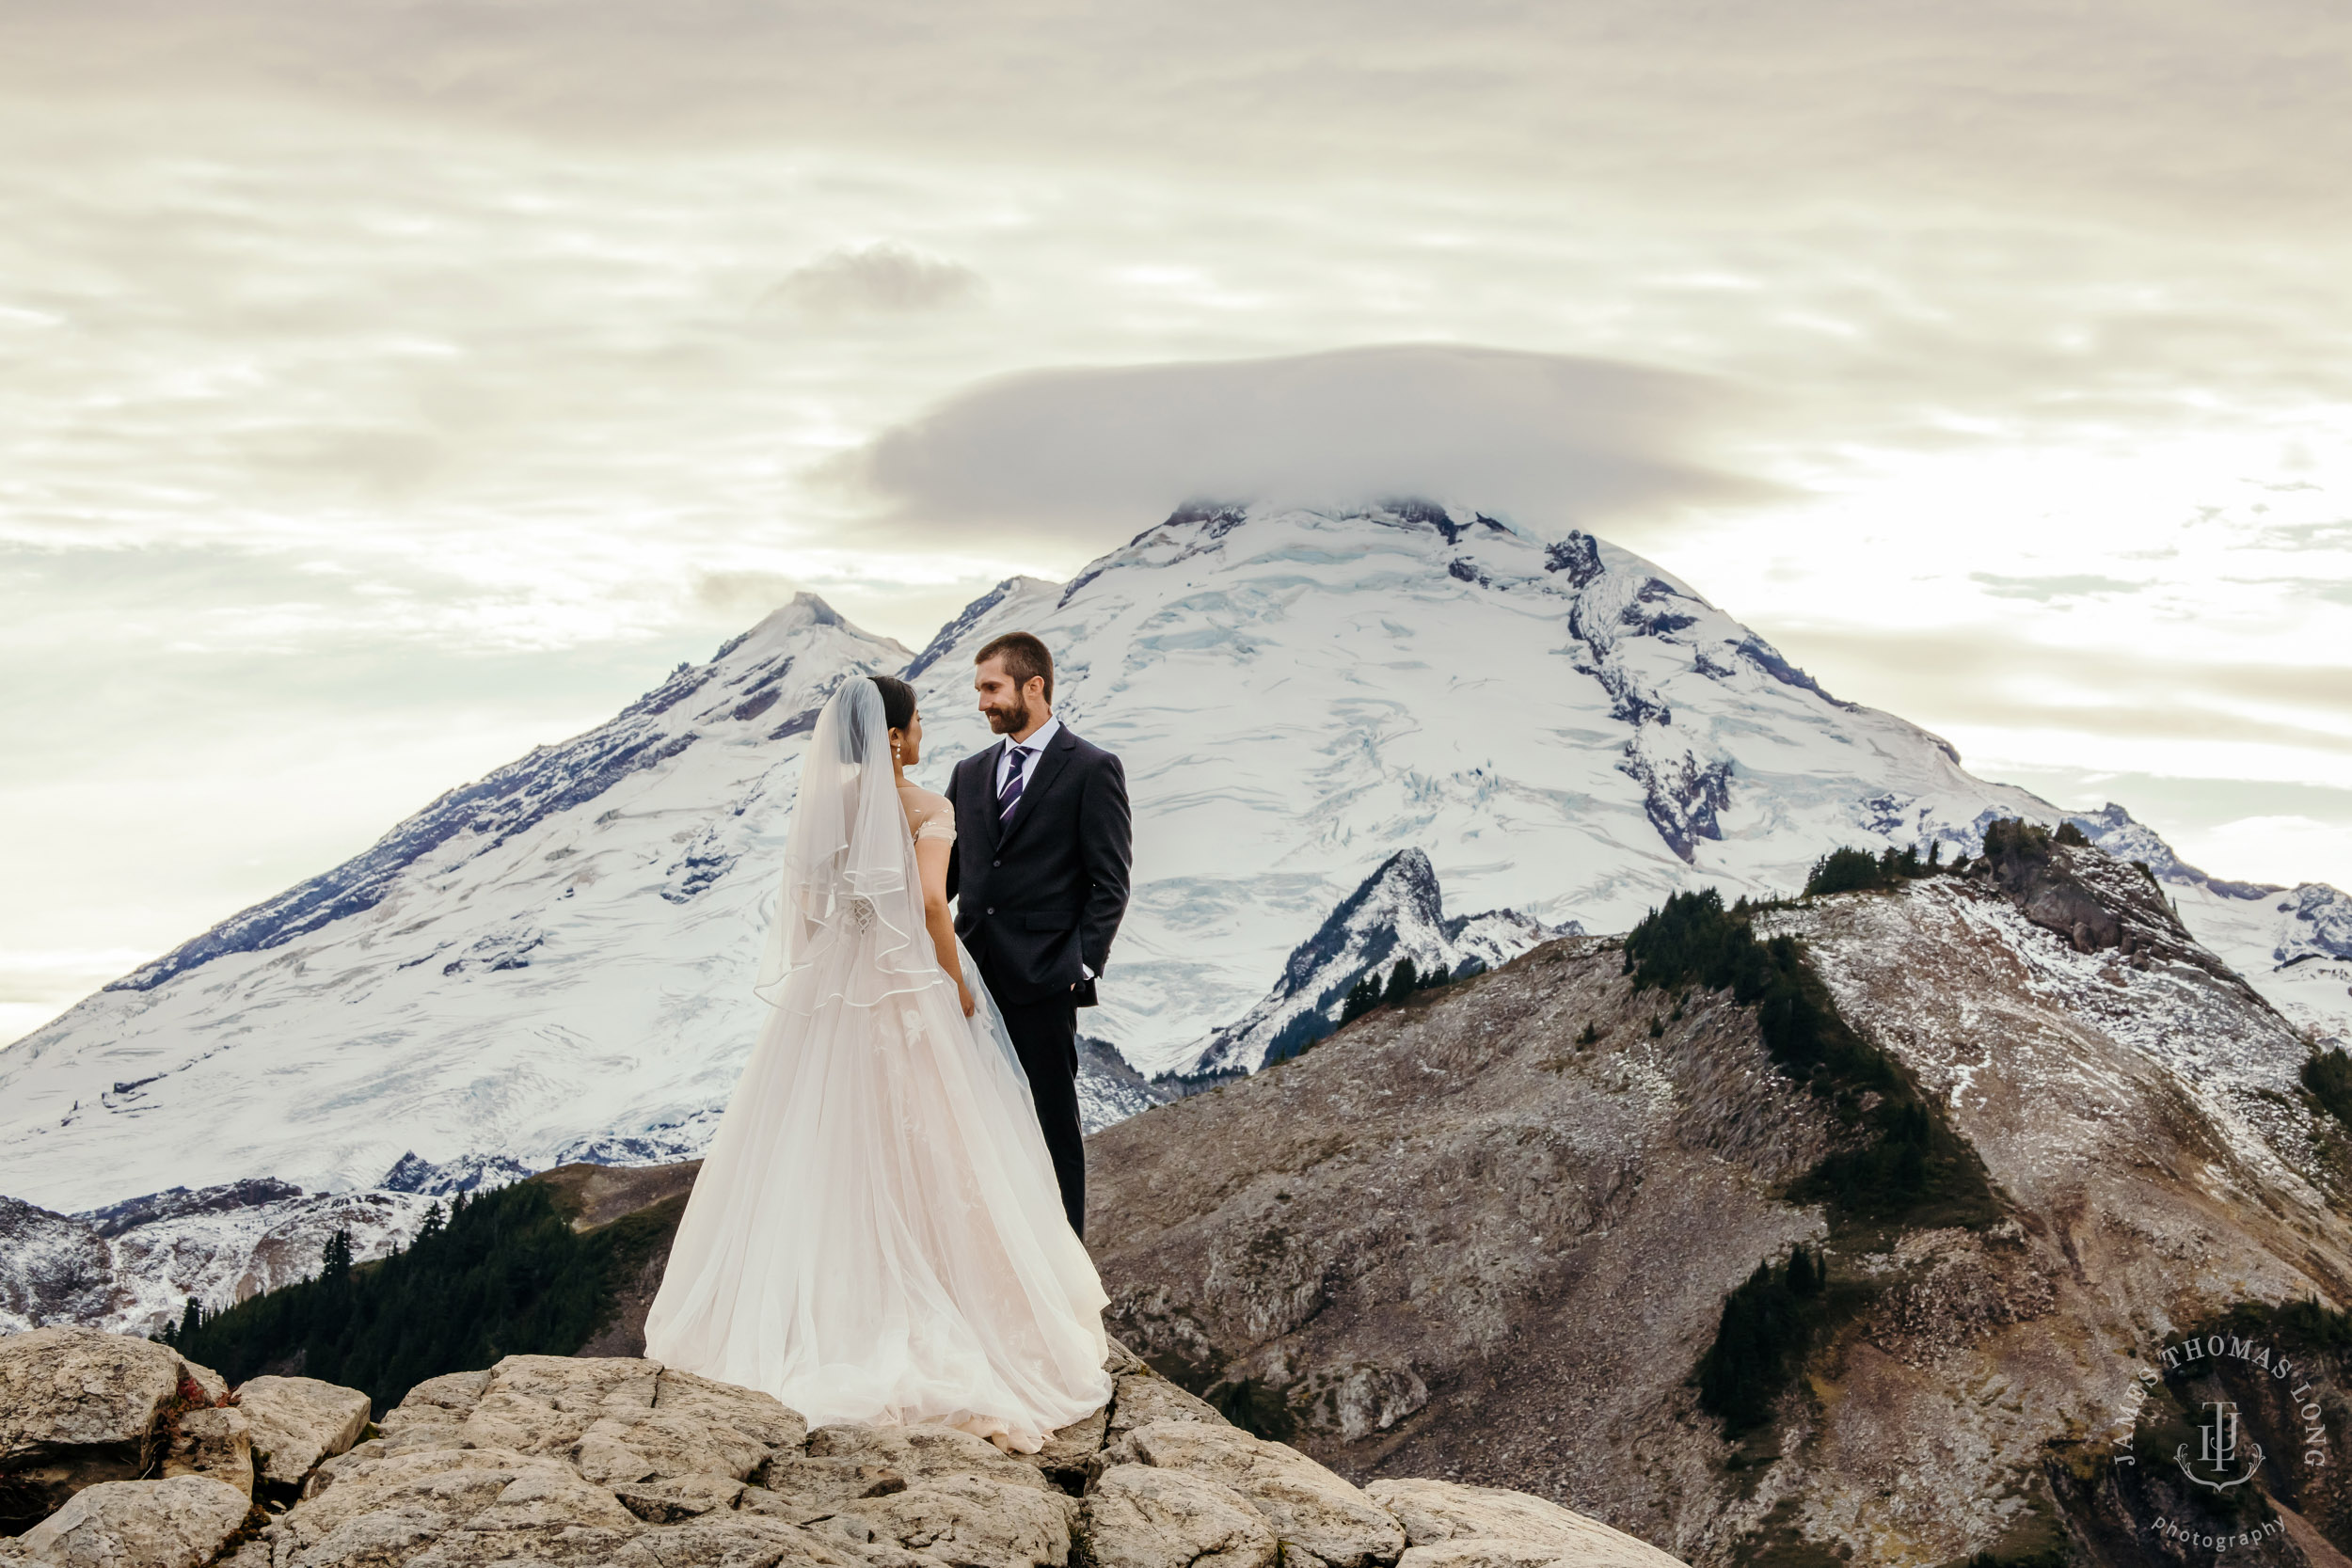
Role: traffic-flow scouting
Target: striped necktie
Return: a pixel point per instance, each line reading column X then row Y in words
column 1010, row 796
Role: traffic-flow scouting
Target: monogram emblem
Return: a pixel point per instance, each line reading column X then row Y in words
column 2218, row 1450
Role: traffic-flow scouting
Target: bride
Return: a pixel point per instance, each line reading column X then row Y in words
column 876, row 1234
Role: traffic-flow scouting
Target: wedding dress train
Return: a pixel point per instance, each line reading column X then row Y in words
column 876, row 1233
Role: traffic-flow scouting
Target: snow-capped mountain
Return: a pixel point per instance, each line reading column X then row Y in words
column 551, row 963
column 1398, row 913
column 130, row 1267
column 532, row 960
column 2292, row 944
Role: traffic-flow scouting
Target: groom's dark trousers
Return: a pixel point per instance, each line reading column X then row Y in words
column 1040, row 892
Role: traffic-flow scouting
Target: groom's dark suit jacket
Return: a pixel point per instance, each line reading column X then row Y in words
column 1037, row 896
column 1043, row 893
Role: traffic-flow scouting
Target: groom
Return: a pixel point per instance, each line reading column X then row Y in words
column 1039, row 873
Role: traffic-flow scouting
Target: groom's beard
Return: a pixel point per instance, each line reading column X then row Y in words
column 1008, row 721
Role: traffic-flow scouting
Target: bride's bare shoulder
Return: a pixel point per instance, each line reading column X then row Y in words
column 921, row 803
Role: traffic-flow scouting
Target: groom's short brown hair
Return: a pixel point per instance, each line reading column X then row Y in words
column 1023, row 657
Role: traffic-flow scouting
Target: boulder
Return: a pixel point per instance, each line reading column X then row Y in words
column 178, row 1523
column 433, row 1412
column 545, row 1403
column 803, row 1489
column 762, row 1418
column 1067, row 1452
column 1311, row 1509
column 453, row 1507
column 971, row 1521
column 360, row 1511
column 679, row 1497
column 1140, row 1517
column 1617, row 1551
column 298, row 1422
column 210, row 1383
column 77, row 1407
column 539, row 1546
column 1139, row 1398
column 1452, row 1525
column 922, row 1452
column 655, row 1445
column 730, row 1541
column 215, row 1443
column 1121, row 1361
column 550, row 1498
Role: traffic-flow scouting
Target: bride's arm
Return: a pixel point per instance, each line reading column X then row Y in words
column 930, row 859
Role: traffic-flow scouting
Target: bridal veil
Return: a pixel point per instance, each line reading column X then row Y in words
column 876, row 1233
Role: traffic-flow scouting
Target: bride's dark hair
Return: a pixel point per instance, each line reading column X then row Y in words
column 898, row 700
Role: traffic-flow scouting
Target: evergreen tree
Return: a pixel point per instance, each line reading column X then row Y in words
column 1362, row 997
column 433, row 1223
column 1402, row 981
column 191, row 1319
column 508, row 1275
column 335, row 1260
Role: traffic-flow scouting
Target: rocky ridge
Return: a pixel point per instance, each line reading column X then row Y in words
column 1488, row 1234
column 115, row 1451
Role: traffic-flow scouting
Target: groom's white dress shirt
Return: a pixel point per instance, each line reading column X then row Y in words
column 1024, row 754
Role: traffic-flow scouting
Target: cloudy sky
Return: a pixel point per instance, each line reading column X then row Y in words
column 387, row 387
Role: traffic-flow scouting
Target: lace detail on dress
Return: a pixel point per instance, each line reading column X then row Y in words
column 937, row 825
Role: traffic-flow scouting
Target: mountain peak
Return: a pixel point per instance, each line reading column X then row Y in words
column 1397, row 912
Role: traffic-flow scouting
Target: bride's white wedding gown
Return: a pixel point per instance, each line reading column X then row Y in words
column 876, row 1234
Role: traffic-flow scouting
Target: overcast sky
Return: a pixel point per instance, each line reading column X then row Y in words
column 385, row 389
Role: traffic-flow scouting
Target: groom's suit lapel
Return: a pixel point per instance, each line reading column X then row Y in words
column 1048, row 768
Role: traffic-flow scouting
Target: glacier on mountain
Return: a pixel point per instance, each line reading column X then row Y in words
column 551, row 963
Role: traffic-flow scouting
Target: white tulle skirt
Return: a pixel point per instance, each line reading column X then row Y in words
column 876, row 1234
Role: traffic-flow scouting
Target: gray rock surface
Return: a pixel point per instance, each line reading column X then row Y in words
column 619, row 1462
column 973, row 1522
column 1311, row 1509
column 1142, row 1518
column 1139, row 1398
column 923, row 1452
column 1453, row 1526
column 546, row 1404
column 215, row 1442
column 176, row 1523
column 805, row 1488
column 1066, row 1453
column 298, row 1422
column 77, row 1407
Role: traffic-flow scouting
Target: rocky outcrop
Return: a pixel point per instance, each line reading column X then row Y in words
column 79, row 1408
column 623, row 1462
column 2091, row 899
